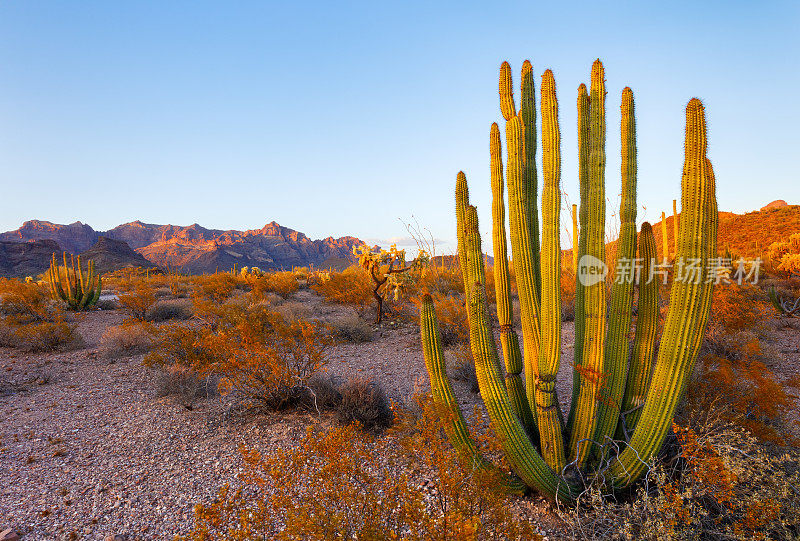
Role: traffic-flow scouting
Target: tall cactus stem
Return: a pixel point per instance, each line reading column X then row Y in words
column 547, row 407
column 507, row 106
column 615, row 364
column 580, row 313
column 664, row 238
column 690, row 302
column 508, row 336
column 445, row 401
column 641, row 362
column 525, row 460
column 522, row 251
column 528, row 114
column 591, row 367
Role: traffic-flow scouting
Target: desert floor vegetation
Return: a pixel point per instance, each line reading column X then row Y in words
column 224, row 409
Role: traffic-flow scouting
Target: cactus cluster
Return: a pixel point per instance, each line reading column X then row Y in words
column 69, row 283
column 622, row 403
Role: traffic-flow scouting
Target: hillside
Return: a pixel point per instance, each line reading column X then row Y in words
column 747, row 235
column 110, row 255
column 26, row 258
column 194, row 248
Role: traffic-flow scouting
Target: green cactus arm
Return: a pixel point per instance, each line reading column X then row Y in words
column 462, row 200
column 522, row 251
column 68, row 280
column 641, row 362
column 445, row 400
column 583, row 178
column 82, row 286
column 664, row 238
column 615, row 364
column 520, row 452
column 690, row 302
column 97, row 290
column 507, row 106
column 527, row 112
column 508, row 338
column 547, row 406
column 87, row 284
column 594, row 305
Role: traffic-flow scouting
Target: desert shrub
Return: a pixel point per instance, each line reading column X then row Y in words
column 464, row 368
column 283, row 283
column 351, row 286
column 184, row 347
column 292, row 311
column 323, row 393
column 451, row 312
column 32, row 321
column 137, row 298
column 170, row 309
column 720, row 483
column 107, row 304
column 40, row 336
column 162, row 292
column 126, row 340
column 732, row 375
column 268, row 360
column 215, row 287
column 365, row 402
column 350, row 328
column 180, row 381
column 438, row 280
column 343, row 483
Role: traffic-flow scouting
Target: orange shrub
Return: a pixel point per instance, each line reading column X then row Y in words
column 215, row 287
column 137, row 297
column 341, row 483
column 732, row 377
column 31, row 320
column 283, row 283
column 351, row 286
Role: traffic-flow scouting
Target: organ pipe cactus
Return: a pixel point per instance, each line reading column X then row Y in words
column 620, row 411
column 69, row 283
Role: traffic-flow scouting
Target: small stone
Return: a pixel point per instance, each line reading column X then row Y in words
column 9, row 535
column 116, row 537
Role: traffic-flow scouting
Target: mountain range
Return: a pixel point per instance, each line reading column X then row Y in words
column 193, row 249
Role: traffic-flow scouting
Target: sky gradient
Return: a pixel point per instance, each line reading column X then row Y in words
column 348, row 118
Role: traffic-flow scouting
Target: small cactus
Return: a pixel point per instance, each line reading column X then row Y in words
column 68, row 283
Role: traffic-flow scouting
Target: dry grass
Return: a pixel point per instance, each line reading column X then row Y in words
column 170, row 309
column 125, row 340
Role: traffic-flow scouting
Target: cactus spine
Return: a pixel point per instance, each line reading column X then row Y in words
column 600, row 370
column 82, row 290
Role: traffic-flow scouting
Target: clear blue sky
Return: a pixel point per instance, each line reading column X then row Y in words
column 340, row 118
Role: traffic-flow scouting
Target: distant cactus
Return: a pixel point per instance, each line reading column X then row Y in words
column 610, row 401
column 69, row 284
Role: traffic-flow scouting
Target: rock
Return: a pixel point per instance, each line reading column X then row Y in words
column 116, row 537
column 777, row 204
column 9, row 535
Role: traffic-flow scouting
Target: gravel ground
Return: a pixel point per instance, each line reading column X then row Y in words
column 87, row 449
